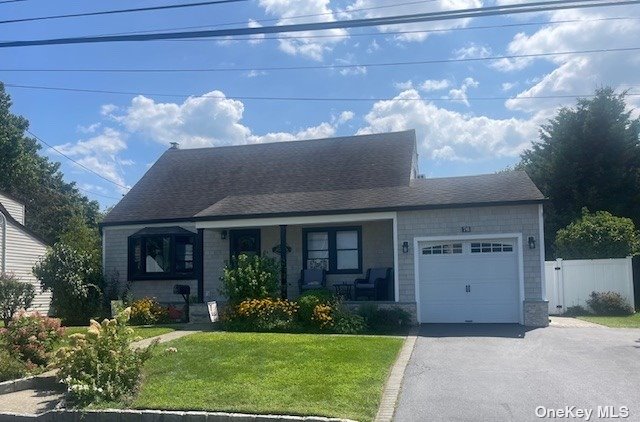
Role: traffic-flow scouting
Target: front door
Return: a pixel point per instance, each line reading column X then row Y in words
column 245, row 241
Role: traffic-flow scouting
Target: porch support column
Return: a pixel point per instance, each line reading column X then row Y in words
column 283, row 261
column 200, row 264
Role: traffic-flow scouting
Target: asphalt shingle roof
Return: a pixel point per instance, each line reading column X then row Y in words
column 184, row 182
column 348, row 174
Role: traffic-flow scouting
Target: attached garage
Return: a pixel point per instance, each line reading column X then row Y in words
column 469, row 279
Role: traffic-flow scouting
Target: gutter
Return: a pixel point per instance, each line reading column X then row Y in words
column 3, row 247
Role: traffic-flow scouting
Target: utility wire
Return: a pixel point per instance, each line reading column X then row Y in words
column 76, row 162
column 11, row 1
column 111, row 12
column 392, row 20
column 327, row 66
column 215, row 25
column 333, row 99
column 417, row 31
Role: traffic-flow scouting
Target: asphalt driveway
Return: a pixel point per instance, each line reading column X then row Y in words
column 504, row 372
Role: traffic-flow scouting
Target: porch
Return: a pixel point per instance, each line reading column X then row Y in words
column 346, row 247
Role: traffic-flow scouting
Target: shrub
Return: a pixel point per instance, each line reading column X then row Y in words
column 31, row 337
column 74, row 281
column 384, row 319
column 100, row 365
column 309, row 300
column 262, row 315
column 148, row 311
column 323, row 315
column 14, row 295
column 346, row 322
column 250, row 277
column 609, row 303
column 576, row 310
column 10, row 366
column 598, row 235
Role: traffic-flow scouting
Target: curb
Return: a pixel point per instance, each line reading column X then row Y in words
column 157, row 416
column 391, row 390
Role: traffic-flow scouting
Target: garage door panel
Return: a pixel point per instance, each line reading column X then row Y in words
column 488, row 267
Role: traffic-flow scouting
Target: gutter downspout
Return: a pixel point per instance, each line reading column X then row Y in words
column 3, row 247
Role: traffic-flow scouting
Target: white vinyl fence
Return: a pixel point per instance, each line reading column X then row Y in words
column 569, row 283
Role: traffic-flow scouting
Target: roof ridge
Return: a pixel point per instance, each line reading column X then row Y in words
column 329, row 138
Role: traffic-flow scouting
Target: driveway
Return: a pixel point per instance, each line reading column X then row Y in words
column 503, row 372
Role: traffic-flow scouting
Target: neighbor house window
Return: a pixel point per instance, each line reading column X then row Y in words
column 166, row 253
column 337, row 249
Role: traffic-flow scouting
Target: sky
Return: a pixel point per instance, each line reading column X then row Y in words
column 458, row 132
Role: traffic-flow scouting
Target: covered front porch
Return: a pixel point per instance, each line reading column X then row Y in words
column 348, row 250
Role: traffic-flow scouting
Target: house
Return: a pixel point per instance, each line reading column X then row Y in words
column 21, row 249
column 460, row 249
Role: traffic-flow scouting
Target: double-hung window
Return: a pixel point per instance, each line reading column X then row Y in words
column 335, row 249
column 162, row 253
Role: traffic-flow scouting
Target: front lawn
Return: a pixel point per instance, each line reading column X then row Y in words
column 628, row 321
column 301, row 374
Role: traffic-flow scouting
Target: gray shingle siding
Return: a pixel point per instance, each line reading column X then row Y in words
column 482, row 220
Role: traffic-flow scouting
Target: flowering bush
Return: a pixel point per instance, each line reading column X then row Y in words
column 322, row 315
column 100, row 365
column 250, row 277
column 31, row 337
column 14, row 295
column 262, row 315
column 148, row 311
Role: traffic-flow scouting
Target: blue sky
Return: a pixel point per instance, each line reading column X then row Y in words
column 119, row 136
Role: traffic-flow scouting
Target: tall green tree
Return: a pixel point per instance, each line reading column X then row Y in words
column 52, row 205
column 587, row 156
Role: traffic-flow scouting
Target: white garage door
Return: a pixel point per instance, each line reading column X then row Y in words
column 469, row 281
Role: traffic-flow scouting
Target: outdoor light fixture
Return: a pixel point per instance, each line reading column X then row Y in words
column 223, row 234
column 405, row 247
column 532, row 242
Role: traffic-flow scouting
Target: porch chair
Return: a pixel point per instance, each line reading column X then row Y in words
column 378, row 284
column 312, row 279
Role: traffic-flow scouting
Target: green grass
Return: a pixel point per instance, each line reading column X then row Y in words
column 628, row 321
column 300, row 374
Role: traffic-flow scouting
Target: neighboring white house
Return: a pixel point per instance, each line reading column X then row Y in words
column 20, row 249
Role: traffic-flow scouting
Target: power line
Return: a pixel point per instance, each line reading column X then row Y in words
column 331, row 99
column 76, row 162
column 417, row 31
column 111, row 12
column 392, row 20
column 329, row 66
column 11, row 1
column 273, row 19
column 96, row 193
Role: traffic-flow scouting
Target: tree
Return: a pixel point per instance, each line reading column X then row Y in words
column 587, row 156
column 75, row 283
column 36, row 181
column 14, row 295
column 598, row 235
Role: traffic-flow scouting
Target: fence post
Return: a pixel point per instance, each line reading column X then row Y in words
column 631, row 283
column 559, row 279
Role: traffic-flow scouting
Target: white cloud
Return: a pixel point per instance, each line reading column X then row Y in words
column 460, row 94
column 434, row 85
column 108, row 109
column 88, row 129
column 448, row 135
column 313, row 48
column 257, row 38
column 100, row 154
column 576, row 73
column 508, row 86
column 255, row 73
column 210, row 120
column 403, row 86
column 423, row 7
column 472, row 51
column 373, row 46
column 358, row 70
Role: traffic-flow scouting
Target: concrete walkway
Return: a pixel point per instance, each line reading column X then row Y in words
column 565, row 322
column 50, row 393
